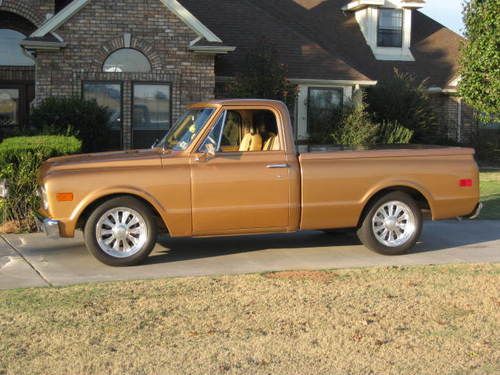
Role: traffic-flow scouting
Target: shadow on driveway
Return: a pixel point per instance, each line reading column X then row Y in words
column 437, row 236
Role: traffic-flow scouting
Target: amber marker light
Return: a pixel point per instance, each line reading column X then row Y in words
column 64, row 197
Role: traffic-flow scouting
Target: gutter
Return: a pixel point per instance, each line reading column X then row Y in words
column 41, row 45
column 212, row 49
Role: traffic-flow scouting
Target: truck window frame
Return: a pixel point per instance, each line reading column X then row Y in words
column 223, row 110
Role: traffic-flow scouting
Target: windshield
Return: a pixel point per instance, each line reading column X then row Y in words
column 180, row 136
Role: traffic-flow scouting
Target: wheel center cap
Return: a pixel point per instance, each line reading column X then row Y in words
column 390, row 223
column 120, row 232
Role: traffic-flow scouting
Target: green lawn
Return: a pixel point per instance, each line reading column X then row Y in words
column 490, row 195
column 392, row 320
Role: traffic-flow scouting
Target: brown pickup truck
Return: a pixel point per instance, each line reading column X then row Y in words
column 230, row 167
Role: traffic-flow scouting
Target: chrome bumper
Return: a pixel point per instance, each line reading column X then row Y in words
column 477, row 212
column 49, row 227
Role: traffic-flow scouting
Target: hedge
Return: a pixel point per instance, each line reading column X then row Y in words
column 20, row 159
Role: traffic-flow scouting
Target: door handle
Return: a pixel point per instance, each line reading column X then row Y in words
column 276, row 166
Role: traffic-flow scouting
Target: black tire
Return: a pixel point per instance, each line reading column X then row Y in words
column 149, row 236
column 366, row 232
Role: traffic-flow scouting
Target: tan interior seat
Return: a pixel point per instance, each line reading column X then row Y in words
column 272, row 144
column 251, row 142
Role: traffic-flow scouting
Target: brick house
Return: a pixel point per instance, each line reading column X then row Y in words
column 147, row 59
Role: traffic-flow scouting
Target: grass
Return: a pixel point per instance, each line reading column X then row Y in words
column 490, row 195
column 422, row 320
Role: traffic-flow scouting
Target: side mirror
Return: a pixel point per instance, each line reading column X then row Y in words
column 210, row 150
column 208, row 153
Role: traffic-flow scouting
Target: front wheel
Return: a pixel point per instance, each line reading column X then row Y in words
column 121, row 232
column 392, row 225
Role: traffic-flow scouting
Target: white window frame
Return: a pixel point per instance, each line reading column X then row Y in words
column 368, row 21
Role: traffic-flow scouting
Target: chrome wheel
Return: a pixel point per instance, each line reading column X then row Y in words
column 121, row 232
column 394, row 224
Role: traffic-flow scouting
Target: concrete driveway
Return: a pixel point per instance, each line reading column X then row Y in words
column 33, row 260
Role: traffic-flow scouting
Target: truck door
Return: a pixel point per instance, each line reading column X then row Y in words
column 242, row 184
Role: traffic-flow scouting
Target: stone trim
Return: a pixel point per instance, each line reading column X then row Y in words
column 24, row 9
column 129, row 41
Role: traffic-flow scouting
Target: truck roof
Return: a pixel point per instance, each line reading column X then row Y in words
column 219, row 102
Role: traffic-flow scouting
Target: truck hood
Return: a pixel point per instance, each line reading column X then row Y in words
column 103, row 160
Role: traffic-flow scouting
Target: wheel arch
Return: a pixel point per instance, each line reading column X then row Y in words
column 421, row 197
column 91, row 204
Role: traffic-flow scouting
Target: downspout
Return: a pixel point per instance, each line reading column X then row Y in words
column 459, row 120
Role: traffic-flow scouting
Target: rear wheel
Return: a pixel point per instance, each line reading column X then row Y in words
column 121, row 232
column 392, row 225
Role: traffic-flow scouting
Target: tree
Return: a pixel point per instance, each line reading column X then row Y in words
column 262, row 76
column 480, row 58
column 403, row 100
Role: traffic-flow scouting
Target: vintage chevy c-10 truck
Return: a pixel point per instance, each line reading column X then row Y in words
column 230, row 167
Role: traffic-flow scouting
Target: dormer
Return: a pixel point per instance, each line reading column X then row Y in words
column 386, row 26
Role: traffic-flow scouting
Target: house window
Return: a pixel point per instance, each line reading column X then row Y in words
column 323, row 107
column 9, row 107
column 127, row 60
column 390, row 28
column 109, row 95
column 151, row 115
column 11, row 52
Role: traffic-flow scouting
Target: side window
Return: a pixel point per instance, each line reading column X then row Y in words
column 244, row 131
column 231, row 136
column 214, row 136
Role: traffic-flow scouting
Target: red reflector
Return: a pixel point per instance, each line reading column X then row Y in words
column 465, row 182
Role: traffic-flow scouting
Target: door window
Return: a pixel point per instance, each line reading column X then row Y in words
column 9, row 107
column 244, row 131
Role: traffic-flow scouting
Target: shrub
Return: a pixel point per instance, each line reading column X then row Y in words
column 404, row 100
column 84, row 119
column 20, row 159
column 355, row 127
column 487, row 145
column 322, row 123
column 389, row 133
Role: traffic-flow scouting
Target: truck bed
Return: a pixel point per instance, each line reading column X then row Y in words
column 337, row 183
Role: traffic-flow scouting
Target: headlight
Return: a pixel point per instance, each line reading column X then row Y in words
column 4, row 190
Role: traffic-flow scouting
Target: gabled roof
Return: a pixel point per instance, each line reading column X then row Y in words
column 245, row 25
column 174, row 6
column 312, row 36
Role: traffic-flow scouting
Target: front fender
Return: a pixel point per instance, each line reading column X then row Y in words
column 94, row 196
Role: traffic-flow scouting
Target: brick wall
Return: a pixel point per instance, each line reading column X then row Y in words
column 456, row 119
column 34, row 11
column 102, row 27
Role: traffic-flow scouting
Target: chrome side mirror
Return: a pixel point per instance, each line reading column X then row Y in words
column 208, row 153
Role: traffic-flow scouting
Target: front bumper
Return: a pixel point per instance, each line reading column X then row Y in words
column 49, row 226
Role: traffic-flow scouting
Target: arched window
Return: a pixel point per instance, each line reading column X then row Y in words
column 127, row 60
column 11, row 53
